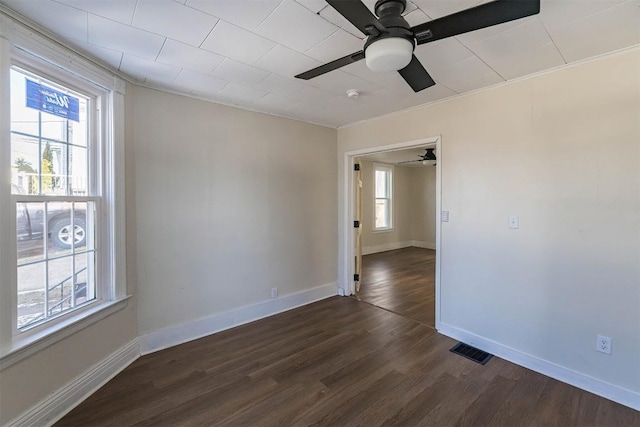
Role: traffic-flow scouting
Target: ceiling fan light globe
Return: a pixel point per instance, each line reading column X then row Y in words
column 389, row 54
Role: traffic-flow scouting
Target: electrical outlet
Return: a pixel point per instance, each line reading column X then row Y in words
column 603, row 344
column 274, row 292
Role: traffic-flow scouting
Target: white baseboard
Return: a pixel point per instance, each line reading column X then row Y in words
column 367, row 250
column 60, row 403
column 174, row 335
column 425, row 245
column 608, row 391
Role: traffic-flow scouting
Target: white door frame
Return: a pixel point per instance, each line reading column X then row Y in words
column 349, row 209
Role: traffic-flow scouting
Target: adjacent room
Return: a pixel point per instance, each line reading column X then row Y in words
column 320, row 212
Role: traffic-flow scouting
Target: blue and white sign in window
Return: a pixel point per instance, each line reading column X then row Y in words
column 51, row 101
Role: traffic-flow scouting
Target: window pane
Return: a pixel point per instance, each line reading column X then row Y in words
column 60, row 284
column 53, row 127
column 23, row 119
column 78, row 170
column 56, row 242
column 30, row 229
column 85, row 278
column 31, row 283
column 48, row 150
column 381, row 184
column 382, row 213
column 25, row 163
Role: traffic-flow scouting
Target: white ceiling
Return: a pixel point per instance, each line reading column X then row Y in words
column 246, row 52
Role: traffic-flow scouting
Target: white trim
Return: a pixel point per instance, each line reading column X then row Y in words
column 174, row 335
column 593, row 385
column 63, row 400
column 424, row 245
column 347, row 215
column 23, row 348
column 368, row 250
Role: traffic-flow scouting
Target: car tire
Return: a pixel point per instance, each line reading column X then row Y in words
column 61, row 233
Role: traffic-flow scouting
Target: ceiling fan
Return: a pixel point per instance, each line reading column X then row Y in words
column 390, row 41
column 428, row 158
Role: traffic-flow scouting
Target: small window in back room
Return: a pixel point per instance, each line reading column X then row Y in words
column 383, row 181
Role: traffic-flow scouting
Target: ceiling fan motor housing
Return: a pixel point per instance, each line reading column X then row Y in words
column 390, row 44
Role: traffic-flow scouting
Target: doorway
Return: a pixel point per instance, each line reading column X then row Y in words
column 400, row 271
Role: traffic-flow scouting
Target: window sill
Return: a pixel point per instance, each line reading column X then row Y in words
column 20, row 349
column 382, row 230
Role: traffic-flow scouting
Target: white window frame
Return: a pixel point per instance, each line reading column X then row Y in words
column 26, row 48
column 389, row 170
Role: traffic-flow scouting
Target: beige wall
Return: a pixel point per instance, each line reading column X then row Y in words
column 422, row 184
column 414, row 201
column 560, row 150
column 229, row 203
column 35, row 378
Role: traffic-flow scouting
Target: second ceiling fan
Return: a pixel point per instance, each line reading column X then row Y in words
column 391, row 41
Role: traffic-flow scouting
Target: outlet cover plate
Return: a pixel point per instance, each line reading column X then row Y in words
column 603, row 344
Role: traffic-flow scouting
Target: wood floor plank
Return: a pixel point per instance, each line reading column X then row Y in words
column 338, row 362
column 402, row 281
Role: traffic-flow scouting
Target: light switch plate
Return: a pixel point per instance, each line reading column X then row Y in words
column 445, row 216
column 513, row 221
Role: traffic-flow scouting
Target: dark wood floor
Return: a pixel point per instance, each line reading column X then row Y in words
column 337, row 362
column 402, row 281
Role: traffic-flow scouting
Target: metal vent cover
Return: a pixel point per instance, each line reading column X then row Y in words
column 471, row 353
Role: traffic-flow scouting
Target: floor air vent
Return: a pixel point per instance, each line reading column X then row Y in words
column 472, row 353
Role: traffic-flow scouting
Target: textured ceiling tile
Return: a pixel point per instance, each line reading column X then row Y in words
column 417, row 17
column 117, row 10
column 556, row 13
column 314, row 6
column 519, row 51
column 240, row 73
column 143, row 69
column 247, row 14
column 176, row 21
column 616, row 28
column 113, row 35
column 331, row 15
column 241, row 93
column 438, row 8
column 311, row 96
column 280, row 85
column 272, row 102
column 442, row 53
column 237, row 43
column 186, row 56
column 111, row 57
column 68, row 23
column 197, row 82
column 295, row 26
column 286, row 62
column 339, row 44
column 457, row 75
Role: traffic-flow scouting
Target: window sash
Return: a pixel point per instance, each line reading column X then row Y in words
column 95, row 146
column 383, row 196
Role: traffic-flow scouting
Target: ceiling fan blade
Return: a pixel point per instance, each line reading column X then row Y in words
column 355, row 12
column 475, row 18
column 416, row 75
column 333, row 65
column 409, row 161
